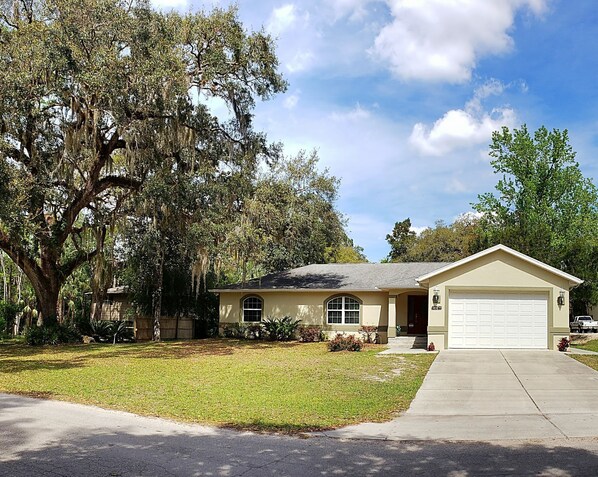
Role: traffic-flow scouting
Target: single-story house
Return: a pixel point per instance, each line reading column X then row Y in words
column 497, row 298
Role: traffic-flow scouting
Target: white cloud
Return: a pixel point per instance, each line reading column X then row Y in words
column 281, row 19
column 356, row 114
column 300, row 62
column 441, row 40
column 293, row 30
column 463, row 128
column 170, row 4
column 456, row 186
column 355, row 9
column 292, row 100
column 468, row 216
column 418, row 230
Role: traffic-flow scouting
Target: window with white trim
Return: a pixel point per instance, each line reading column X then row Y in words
column 342, row 310
column 252, row 308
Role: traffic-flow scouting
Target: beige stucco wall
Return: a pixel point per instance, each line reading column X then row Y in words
column 308, row 307
column 496, row 272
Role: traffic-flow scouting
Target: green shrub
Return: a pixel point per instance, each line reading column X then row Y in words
column 83, row 324
column 111, row 331
column 255, row 331
column 51, row 335
column 345, row 343
column 281, row 329
column 235, row 330
column 121, row 331
column 310, row 333
column 8, row 314
column 100, row 330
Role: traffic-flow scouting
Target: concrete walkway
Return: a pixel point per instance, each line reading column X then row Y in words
column 495, row 394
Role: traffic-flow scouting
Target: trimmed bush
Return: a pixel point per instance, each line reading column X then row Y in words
column 281, row 329
column 564, row 344
column 369, row 334
column 345, row 343
column 310, row 333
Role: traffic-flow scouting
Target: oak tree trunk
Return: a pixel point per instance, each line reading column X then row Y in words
column 46, row 292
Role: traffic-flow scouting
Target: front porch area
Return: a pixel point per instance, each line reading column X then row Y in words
column 408, row 314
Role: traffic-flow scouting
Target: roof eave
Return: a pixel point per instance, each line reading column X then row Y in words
column 294, row 290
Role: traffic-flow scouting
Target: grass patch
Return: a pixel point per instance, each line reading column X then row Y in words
column 255, row 385
column 587, row 359
column 591, row 345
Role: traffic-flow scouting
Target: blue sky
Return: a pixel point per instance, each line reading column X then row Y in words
column 400, row 97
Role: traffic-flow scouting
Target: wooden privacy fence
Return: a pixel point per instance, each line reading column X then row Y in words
column 144, row 328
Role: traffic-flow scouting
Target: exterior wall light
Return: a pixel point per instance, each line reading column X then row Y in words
column 436, row 296
column 561, row 298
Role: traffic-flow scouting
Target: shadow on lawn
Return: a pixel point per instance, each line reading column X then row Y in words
column 20, row 365
column 189, row 349
column 19, row 357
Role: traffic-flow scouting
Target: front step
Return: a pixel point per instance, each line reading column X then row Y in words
column 409, row 342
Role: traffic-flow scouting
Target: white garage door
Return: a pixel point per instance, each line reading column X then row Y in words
column 497, row 320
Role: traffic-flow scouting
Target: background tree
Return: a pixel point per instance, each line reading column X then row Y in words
column 346, row 252
column 290, row 219
column 545, row 207
column 92, row 104
column 189, row 230
column 443, row 243
column 401, row 239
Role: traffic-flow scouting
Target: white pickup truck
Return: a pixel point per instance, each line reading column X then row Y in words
column 583, row 324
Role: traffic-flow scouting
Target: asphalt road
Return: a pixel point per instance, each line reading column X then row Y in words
column 49, row 438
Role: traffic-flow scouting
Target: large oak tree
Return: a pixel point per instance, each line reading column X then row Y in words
column 98, row 95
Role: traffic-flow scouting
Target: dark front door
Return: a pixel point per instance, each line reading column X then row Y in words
column 417, row 314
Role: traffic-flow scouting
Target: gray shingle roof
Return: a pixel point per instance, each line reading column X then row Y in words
column 345, row 276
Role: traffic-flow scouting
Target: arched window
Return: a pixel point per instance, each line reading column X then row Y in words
column 342, row 310
column 252, row 308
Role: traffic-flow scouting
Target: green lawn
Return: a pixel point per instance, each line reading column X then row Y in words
column 587, row 359
column 589, row 345
column 244, row 384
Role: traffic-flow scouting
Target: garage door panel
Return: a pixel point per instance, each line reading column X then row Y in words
column 498, row 320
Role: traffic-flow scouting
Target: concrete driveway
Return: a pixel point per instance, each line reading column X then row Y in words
column 496, row 394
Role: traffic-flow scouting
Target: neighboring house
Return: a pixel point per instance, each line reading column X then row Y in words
column 497, row 298
column 118, row 307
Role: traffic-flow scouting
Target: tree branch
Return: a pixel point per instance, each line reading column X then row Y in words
column 79, row 259
column 19, row 256
column 111, row 182
column 93, row 186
